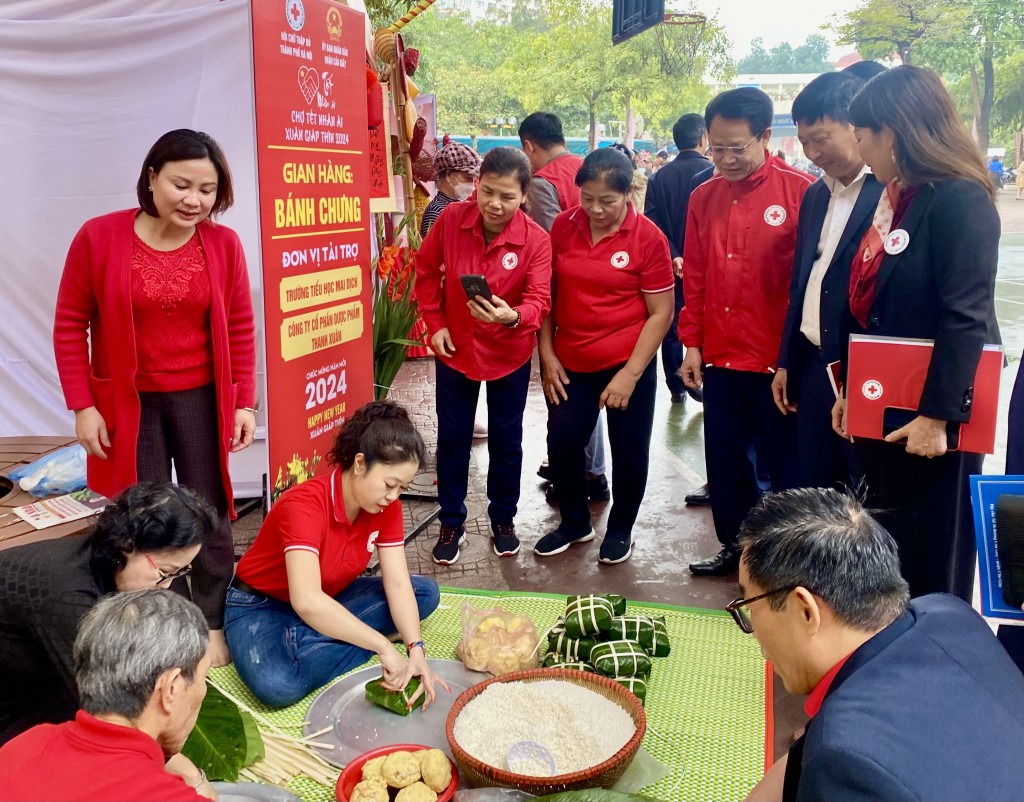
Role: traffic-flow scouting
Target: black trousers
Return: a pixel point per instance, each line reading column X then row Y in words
column 738, row 409
column 456, row 407
column 926, row 506
column 672, row 349
column 826, row 459
column 181, row 427
column 570, row 424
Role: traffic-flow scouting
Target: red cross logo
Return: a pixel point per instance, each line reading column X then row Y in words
column 872, row 389
column 894, row 242
column 775, row 215
column 295, row 14
column 620, row 259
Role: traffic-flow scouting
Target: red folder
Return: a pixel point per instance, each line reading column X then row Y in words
column 884, row 384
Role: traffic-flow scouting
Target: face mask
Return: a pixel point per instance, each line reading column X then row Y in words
column 464, row 190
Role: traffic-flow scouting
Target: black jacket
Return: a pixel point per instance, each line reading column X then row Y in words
column 942, row 288
column 668, row 196
column 835, row 286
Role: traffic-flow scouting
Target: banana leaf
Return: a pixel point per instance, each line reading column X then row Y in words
column 224, row 739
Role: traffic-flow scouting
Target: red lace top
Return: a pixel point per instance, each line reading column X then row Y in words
column 171, row 313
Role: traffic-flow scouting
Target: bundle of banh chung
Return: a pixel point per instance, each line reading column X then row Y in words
column 597, row 634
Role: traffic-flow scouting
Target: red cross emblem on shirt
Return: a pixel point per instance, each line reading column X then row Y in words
column 894, row 242
column 775, row 215
column 620, row 259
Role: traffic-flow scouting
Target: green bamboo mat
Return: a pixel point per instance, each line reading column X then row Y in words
column 705, row 701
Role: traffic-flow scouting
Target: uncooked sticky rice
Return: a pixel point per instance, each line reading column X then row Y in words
column 579, row 727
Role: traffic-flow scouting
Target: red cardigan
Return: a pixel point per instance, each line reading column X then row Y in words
column 94, row 302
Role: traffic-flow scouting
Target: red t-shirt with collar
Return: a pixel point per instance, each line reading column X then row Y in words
column 311, row 517
column 561, row 172
column 813, row 703
column 599, row 288
column 85, row 760
column 737, row 263
column 517, row 266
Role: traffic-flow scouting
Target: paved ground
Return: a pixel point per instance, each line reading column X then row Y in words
column 668, row 534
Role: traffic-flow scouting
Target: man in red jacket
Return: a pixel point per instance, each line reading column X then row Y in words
column 737, row 262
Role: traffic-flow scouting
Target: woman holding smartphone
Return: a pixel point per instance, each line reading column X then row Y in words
column 479, row 339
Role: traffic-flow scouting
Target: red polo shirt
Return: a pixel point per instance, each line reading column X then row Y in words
column 737, row 262
column 85, row 760
column 517, row 265
column 599, row 289
column 817, row 696
column 311, row 517
column 561, row 173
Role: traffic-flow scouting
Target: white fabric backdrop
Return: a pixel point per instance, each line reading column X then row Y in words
column 85, row 88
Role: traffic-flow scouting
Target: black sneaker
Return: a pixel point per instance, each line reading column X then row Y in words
column 446, row 550
column 506, row 544
column 544, row 471
column 558, row 541
column 615, row 550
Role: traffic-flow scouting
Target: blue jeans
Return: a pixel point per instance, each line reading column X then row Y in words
column 281, row 658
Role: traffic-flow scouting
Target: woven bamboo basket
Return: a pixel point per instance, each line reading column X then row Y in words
column 603, row 775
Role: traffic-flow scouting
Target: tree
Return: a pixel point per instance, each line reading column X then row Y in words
column 958, row 38
column 811, row 56
column 880, row 28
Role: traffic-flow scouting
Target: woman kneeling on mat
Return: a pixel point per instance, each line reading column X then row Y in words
column 299, row 612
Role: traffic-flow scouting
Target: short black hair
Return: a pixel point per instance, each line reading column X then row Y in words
column 865, row 70
column 745, row 103
column 828, row 95
column 688, row 130
column 824, row 540
column 508, row 161
column 382, row 432
column 148, row 517
column 184, row 144
column 610, row 165
column 542, row 128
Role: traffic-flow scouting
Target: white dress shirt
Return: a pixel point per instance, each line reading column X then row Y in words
column 840, row 207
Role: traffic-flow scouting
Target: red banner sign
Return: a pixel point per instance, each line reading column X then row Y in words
column 313, row 167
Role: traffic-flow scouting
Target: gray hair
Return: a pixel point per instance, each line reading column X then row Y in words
column 825, row 541
column 127, row 641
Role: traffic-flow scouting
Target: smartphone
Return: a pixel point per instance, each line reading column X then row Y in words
column 894, row 418
column 475, row 285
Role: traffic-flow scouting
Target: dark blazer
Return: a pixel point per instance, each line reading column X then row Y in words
column 835, row 287
column 931, row 708
column 668, row 196
column 942, row 288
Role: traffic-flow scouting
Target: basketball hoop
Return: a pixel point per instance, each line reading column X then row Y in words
column 678, row 50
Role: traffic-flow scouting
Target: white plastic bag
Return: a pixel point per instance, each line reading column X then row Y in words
column 58, row 473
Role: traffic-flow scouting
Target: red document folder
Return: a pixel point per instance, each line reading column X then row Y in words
column 888, row 373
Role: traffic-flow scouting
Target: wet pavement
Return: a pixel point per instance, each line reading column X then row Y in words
column 668, row 533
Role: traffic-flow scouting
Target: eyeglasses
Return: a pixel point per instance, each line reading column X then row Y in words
column 166, row 578
column 741, row 615
column 733, row 150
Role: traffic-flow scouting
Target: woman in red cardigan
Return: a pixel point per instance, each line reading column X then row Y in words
column 155, row 345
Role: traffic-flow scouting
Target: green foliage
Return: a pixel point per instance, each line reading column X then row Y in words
column 562, row 59
column 224, row 739
column 970, row 42
column 811, row 56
